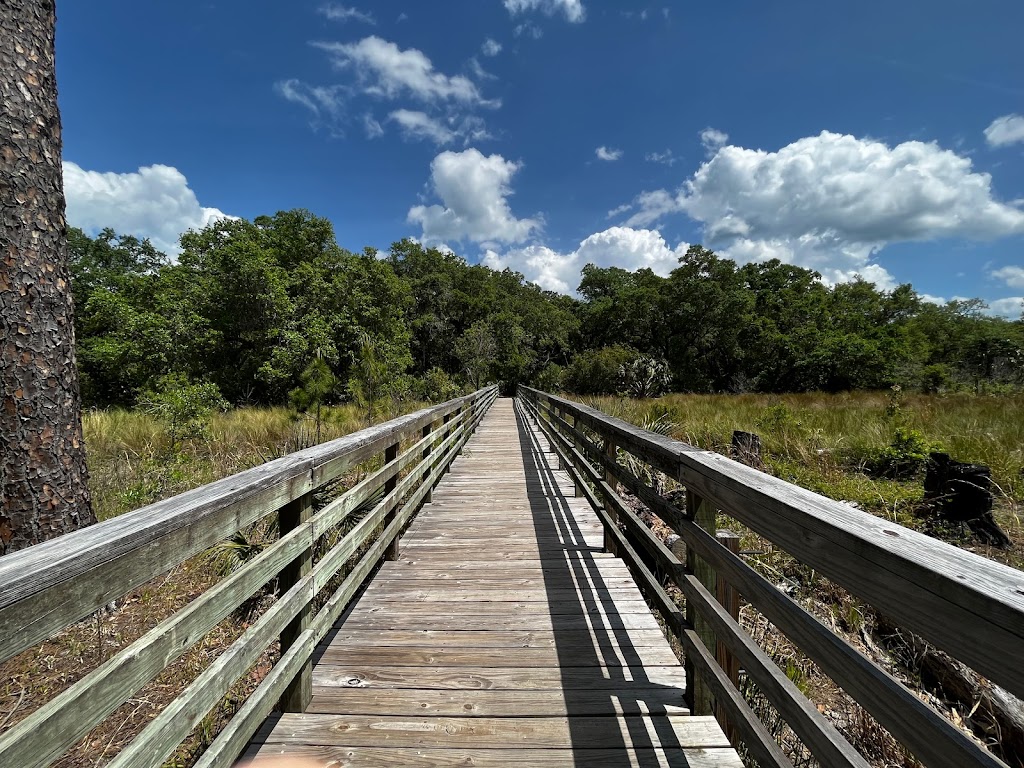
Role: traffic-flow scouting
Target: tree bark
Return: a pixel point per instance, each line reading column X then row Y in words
column 43, row 476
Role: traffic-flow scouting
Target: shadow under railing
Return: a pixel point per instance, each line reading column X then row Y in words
column 607, row 674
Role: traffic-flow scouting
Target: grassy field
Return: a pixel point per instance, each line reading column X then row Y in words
column 841, row 445
column 132, row 461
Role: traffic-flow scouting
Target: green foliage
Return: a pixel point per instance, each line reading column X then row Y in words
column 317, row 384
column 644, row 377
column 904, row 456
column 935, row 378
column 249, row 303
column 778, row 418
column 437, row 386
column 550, row 378
column 183, row 407
column 597, row 371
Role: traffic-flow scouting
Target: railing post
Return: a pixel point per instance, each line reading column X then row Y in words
column 610, row 452
column 577, row 481
column 557, row 414
column 427, row 429
column 729, row 598
column 297, row 695
column 390, row 454
column 447, row 433
column 698, row 694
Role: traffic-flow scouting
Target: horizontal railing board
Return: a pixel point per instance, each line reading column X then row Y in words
column 968, row 605
column 54, row 727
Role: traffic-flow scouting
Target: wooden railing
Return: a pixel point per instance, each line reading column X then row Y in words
column 47, row 587
column 964, row 604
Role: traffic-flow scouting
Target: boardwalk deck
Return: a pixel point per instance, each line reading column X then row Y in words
column 502, row 636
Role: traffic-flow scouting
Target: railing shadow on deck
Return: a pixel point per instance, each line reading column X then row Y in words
column 48, row 587
column 615, row 663
column 963, row 604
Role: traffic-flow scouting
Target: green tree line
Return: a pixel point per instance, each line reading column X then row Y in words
column 265, row 309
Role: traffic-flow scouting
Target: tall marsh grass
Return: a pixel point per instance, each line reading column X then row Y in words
column 132, row 461
column 831, row 443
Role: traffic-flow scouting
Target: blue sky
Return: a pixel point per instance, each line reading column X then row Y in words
column 883, row 139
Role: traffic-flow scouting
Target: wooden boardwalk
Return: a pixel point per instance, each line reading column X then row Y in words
column 502, row 636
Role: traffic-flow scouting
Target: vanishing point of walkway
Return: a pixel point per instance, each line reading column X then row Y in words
column 502, row 636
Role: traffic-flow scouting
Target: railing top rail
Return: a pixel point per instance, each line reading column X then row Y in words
column 272, row 484
column 963, row 603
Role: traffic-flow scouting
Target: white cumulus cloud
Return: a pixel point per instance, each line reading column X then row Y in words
column 608, row 154
column 1011, row 307
column 474, row 191
column 383, row 69
column 624, row 247
column 1013, row 276
column 336, row 12
column 713, row 139
column 1008, row 129
column 155, row 202
column 491, row 47
column 573, row 9
column 831, row 202
column 419, row 125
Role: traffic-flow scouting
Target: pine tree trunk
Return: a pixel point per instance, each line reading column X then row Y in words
column 43, row 479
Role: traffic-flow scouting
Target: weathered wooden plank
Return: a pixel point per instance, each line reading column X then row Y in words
column 504, row 625
column 49, row 731
column 639, row 731
column 563, row 581
column 432, row 638
column 251, row 715
column 497, row 703
column 500, row 678
column 558, row 610
column 440, row 595
column 505, row 618
column 498, row 657
column 403, row 569
column 50, row 585
column 898, row 709
column 386, row 757
column 167, row 730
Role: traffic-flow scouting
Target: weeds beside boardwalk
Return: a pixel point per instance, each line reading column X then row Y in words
column 133, row 462
column 837, row 445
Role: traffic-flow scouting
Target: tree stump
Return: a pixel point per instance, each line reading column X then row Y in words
column 746, row 447
column 962, row 493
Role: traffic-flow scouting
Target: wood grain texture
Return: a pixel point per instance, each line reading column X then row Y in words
column 387, row 757
column 501, row 625
column 669, row 732
column 501, row 678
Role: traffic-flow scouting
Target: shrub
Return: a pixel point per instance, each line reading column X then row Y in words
column 596, row 371
column 644, row 377
column 904, row 457
column 436, row 386
column 184, row 407
column 550, row 378
column 934, row 379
